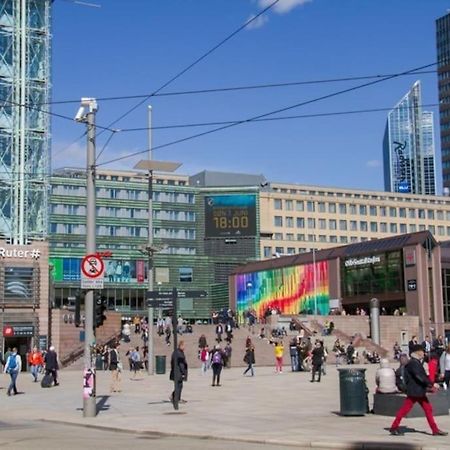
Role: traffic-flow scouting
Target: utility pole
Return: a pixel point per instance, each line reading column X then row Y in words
column 89, row 396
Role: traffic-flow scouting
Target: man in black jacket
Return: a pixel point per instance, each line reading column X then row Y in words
column 178, row 373
column 51, row 364
column 417, row 383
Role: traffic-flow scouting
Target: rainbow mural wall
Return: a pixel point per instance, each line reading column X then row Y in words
column 291, row 289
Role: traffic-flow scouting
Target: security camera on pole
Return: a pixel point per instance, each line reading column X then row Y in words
column 89, row 399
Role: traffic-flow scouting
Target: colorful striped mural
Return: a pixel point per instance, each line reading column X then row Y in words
column 290, row 289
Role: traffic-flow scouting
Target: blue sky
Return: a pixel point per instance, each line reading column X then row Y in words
column 134, row 46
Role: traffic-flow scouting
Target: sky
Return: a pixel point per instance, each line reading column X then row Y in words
column 133, row 47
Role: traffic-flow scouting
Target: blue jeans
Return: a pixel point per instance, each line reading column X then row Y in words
column 35, row 371
column 294, row 363
column 250, row 367
column 12, row 384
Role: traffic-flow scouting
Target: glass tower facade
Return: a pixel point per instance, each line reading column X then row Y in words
column 443, row 58
column 408, row 147
column 24, row 125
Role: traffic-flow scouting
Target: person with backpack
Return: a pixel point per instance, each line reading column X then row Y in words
column 13, row 366
column 217, row 359
column 36, row 361
column 417, row 385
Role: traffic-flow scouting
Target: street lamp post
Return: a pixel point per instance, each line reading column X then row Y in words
column 150, row 166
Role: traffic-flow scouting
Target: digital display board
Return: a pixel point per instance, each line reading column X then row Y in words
column 230, row 215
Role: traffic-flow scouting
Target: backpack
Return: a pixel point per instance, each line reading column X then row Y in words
column 217, row 358
column 12, row 364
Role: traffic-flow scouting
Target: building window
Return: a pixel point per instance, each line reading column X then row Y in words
column 279, row 250
column 392, row 212
column 322, row 238
column 311, row 223
column 301, row 237
column 290, row 222
column 332, row 224
column 332, row 208
column 321, row 207
column 342, row 208
column 441, row 231
column 343, row 239
column 352, row 209
column 432, row 229
column 403, row 228
column 373, row 210
column 412, row 228
column 402, row 212
column 333, row 239
column 353, row 225
column 353, row 239
column 291, row 251
column 277, row 204
column 267, row 252
column 300, row 222
column 373, row 227
column 363, row 225
column 440, row 215
column 322, row 224
column 411, row 213
column 421, row 214
column 382, row 211
column 310, row 206
column 383, row 227
column 300, row 205
column 362, row 210
column 289, row 205
column 278, row 236
column 421, row 227
column 185, row 274
column 430, row 214
column 290, row 236
column 343, row 225
column 393, row 227
column 278, row 221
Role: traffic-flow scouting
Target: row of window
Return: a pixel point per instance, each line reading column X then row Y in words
column 121, row 231
column 374, row 227
column 125, row 194
column 167, row 251
column 362, row 210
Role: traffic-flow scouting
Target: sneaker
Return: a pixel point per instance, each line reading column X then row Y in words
column 440, row 433
column 396, row 432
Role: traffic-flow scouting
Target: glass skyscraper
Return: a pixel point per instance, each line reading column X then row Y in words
column 408, row 147
column 443, row 57
column 24, row 126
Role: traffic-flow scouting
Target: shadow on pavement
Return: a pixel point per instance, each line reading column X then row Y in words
column 101, row 403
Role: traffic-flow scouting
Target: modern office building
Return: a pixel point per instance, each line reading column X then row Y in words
column 203, row 230
column 299, row 218
column 24, row 124
column 408, row 147
column 443, row 58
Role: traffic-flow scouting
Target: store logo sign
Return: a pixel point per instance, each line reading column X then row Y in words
column 34, row 253
column 362, row 261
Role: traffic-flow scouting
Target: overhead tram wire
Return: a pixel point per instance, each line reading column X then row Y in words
column 194, row 63
column 260, row 116
column 267, row 119
column 241, row 88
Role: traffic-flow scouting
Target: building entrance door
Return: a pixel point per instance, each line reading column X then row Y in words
column 23, row 345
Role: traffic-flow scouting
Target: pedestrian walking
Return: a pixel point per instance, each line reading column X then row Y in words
column 204, row 358
column 219, row 331
column 115, row 368
column 293, row 352
column 317, row 360
column 228, row 350
column 249, row 359
column 13, row 367
column 168, row 334
column 51, row 364
column 217, row 358
column 417, row 383
column 36, row 362
column 178, row 372
column 444, row 366
column 279, row 351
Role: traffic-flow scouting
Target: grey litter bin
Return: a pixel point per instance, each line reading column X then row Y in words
column 353, row 392
column 160, row 366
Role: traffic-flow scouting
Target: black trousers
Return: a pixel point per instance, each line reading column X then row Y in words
column 316, row 369
column 178, row 387
column 217, row 369
column 54, row 374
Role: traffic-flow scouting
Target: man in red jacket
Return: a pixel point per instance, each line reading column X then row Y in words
column 36, row 361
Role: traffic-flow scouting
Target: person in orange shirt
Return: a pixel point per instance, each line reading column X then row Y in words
column 36, row 361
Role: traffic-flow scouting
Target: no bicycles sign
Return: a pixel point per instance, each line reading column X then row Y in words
column 92, row 271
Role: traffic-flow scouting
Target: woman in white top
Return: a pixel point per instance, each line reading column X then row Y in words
column 444, row 365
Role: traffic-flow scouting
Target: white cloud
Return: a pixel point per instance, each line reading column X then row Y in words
column 257, row 23
column 283, row 6
column 373, row 163
column 73, row 155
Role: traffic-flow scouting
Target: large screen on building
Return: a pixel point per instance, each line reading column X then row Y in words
column 230, row 215
column 292, row 290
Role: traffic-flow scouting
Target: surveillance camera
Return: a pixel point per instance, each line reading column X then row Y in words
column 80, row 115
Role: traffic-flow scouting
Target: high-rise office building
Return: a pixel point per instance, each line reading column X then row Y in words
column 24, row 125
column 443, row 58
column 408, row 147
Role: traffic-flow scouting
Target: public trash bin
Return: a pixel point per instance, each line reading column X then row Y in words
column 160, row 365
column 99, row 362
column 353, row 392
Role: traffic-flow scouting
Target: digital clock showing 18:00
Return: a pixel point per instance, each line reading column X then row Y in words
column 230, row 215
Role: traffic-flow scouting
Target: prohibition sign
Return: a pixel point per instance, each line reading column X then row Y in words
column 92, row 266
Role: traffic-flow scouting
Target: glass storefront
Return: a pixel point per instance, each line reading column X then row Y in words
column 380, row 274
